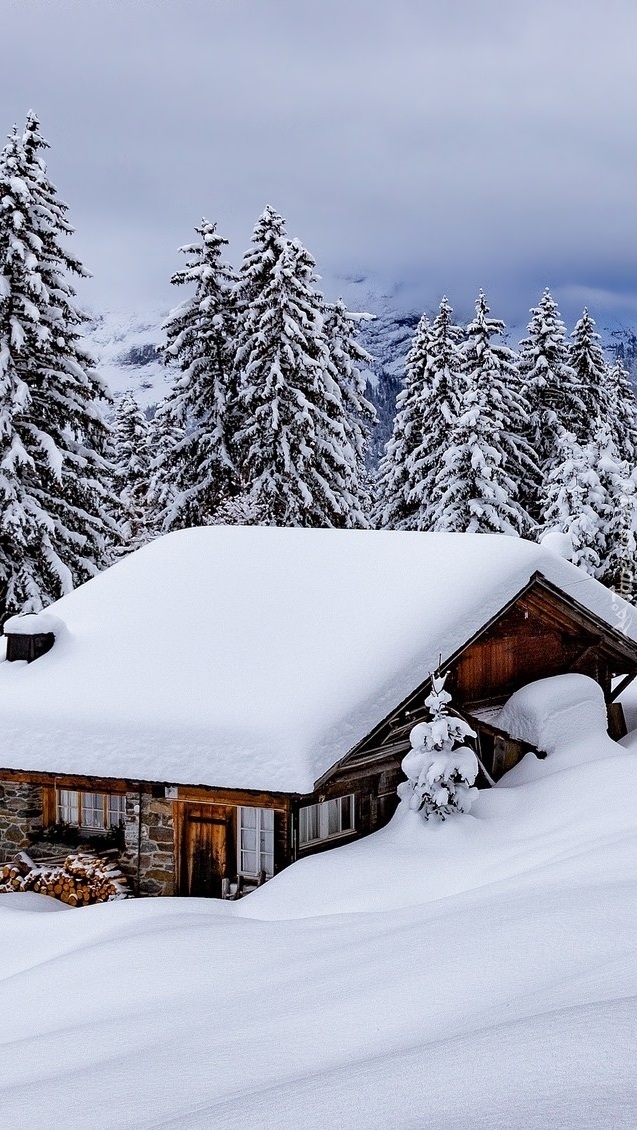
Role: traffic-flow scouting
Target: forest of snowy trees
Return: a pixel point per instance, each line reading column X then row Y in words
column 268, row 419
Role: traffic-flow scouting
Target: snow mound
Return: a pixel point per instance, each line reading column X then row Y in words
column 31, row 902
column 558, row 542
column 34, row 624
column 552, row 713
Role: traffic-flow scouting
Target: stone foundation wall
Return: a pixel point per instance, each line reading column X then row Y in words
column 20, row 817
column 150, row 832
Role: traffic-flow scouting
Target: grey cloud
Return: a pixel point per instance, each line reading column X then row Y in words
column 446, row 146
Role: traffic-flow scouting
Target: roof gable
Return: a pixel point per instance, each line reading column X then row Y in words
column 540, row 599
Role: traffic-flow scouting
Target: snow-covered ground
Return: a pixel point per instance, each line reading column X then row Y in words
column 481, row 973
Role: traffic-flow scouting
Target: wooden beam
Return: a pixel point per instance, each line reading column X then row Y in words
column 621, row 687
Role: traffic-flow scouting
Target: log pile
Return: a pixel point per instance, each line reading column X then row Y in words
column 79, row 880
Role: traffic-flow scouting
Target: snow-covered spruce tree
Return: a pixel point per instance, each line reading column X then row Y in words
column 394, row 508
column 352, row 415
column 295, row 437
column 441, row 405
column 618, row 480
column 591, row 495
column 163, row 504
column 551, row 388
column 586, row 358
column 269, row 240
column 131, row 459
column 486, row 457
column 440, row 768
column 621, row 412
column 55, row 505
column 200, row 338
column 576, row 503
column 620, row 572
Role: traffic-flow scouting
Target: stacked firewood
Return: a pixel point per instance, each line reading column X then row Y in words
column 79, row 880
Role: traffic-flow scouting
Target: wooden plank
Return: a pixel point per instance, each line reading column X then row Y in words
column 74, row 782
column 236, row 797
column 621, row 687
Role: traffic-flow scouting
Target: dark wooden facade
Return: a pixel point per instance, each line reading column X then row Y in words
column 541, row 632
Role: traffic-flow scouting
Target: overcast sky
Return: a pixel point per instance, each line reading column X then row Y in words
column 438, row 146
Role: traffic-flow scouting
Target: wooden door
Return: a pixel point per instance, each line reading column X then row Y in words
column 208, row 852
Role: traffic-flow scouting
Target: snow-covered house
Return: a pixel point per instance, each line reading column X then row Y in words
column 238, row 697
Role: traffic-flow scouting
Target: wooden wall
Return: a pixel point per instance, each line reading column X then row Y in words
column 529, row 642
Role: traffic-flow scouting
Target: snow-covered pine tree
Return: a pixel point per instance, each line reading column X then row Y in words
column 586, row 358
column 486, row 458
column 440, row 768
column 621, row 411
column 163, row 503
column 352, row 415
column 575, row 502
column 394, row 507
column 269, row 240
column 620, row 572
column 443, row 390
column 294, row 439
column 551, row 388
column 618, row 481
column 427, row 408
column 200, row 338
column 131, row 458
column 56, row 509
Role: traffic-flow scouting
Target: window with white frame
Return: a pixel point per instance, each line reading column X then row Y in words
column 256, row 842
column 94, row 811
column 327, row 819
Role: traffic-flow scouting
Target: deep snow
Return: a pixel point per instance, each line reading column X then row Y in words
column 475, row 973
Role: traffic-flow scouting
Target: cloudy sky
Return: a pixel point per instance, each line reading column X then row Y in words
column 436, row 146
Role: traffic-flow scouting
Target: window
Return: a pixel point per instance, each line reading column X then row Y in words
column 93, row 811
column 256, row 841
column 327, row 819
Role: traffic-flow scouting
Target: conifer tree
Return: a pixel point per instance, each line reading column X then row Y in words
column 269, row 240
column 427, row 408
column 586, row 359
column 296, row 436
column 395, row 507
column 444, row 390
column 163, row 503
column 550, row 386
column 200, row 338
column 621, row 411
column 131, row 458
column 440, row 768
column 56, row 518
column 352, row 415
column 576, row 502
column 618, row 515
column 486, row 457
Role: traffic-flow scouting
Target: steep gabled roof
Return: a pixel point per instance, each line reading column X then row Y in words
column 248, row 657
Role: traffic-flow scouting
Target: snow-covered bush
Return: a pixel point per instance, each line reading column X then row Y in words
column 440, row 768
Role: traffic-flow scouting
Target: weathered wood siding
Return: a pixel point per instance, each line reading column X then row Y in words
column 529, row 642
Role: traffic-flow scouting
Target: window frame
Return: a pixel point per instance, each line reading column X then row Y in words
column 260, row 853
column 77, row 806
column 323, row 811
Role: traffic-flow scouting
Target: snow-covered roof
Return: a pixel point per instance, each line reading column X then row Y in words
column 248, row 657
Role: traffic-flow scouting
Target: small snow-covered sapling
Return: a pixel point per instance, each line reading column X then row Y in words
column 440, row 768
